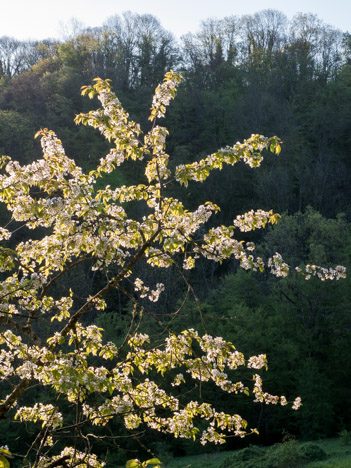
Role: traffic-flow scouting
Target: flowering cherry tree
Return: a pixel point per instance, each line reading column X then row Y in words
column 73, row 222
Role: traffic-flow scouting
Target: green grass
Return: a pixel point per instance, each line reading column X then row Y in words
column 208, row 460
column 337, row 462
column 339, row 456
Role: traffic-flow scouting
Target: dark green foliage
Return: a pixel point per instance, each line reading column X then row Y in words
column 345, row 437
column 315, row 388
column 17, row 136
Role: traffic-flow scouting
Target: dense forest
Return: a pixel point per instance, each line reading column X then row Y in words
column 257, row 73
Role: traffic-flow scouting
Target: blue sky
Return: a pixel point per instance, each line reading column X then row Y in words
column 39, row 19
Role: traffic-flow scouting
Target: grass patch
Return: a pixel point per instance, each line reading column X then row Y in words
column 208, row 460
column 328, row 453
column 337, row 462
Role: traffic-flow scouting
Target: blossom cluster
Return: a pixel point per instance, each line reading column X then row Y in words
column 252, row 220
column 72, row 456
column 163, row 94
column 323, row 273
column 250, row 151
column 48, row 414
column 278, row 267
column 144, row 290
column 134, row 404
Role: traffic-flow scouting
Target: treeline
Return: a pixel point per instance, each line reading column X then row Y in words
column 252, row 74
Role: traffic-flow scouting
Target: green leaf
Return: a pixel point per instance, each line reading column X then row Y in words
column 133, row 464
column 153, row 461
column 4, row 463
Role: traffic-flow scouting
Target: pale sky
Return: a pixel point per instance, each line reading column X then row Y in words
column 41, row 19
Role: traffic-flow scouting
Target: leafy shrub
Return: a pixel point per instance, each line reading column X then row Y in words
column 311, row 451
column 285, row 455
column 250, row 457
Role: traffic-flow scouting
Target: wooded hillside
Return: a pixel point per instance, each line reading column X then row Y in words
column 255, row 74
